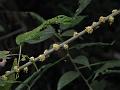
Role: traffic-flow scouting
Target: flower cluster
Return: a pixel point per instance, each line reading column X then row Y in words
column 102, row 19
column 16, row 69
column 56, row 47
column 89, row 29
column 41, row 57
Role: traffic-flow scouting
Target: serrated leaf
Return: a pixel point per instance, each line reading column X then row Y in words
column 109, row 65
column 74, row 21
column 67, row 78
column 83, row 60
column 82, row 5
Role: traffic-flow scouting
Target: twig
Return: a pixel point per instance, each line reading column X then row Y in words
column 93, row 26
column 85, row 80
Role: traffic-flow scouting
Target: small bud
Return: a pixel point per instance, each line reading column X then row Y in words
column 32, row 59
column 56, row 21
column 16, row 69
column 89, row 29
column 115, row 10
column 7, row 72
column 75, row 34
column 65, row 60
column 66, row 46
column 56, row 47
column 102, row 19
column 4, row 77
column 111, row 19
column 41, row 57
column 94, row 23
column 25, row 69
column 46, row 52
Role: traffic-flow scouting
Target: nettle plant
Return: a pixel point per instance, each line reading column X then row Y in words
column 46, row 31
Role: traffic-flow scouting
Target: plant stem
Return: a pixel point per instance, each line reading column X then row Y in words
column 67, row 41
column 19, row 55
column 90, row 88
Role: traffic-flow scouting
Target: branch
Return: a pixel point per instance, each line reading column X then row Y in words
column 76, row 35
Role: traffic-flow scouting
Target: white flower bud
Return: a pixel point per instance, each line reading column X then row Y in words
column 89, row 29
column 65, row 46
column 25, row 69
column 56, row 47
column 102, row 19
column 75, row 34
column 16, row 69
column 111, row 19
column 41, row 57
column 32, row 59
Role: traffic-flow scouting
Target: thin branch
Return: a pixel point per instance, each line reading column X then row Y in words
column 86, row 81
column 93, row 26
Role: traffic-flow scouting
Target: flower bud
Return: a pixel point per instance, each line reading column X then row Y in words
column 56, row 47
column 111, row 19
column 102, row 19
column 89, row 29
column 16, row 69
column 65, row 46
column 41, row 57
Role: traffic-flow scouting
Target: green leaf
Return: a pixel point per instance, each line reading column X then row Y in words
column 68, row 33
column 4, row 54
column 98, row 85
column 36, row 16
column 83, row 60
column 80, row 46
column 6, row 85
column 44, row 31
column 35, row 36
column 74, row 21
column 43, row 35
column 82, row 5
column 67, row 78
column 109, row 65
